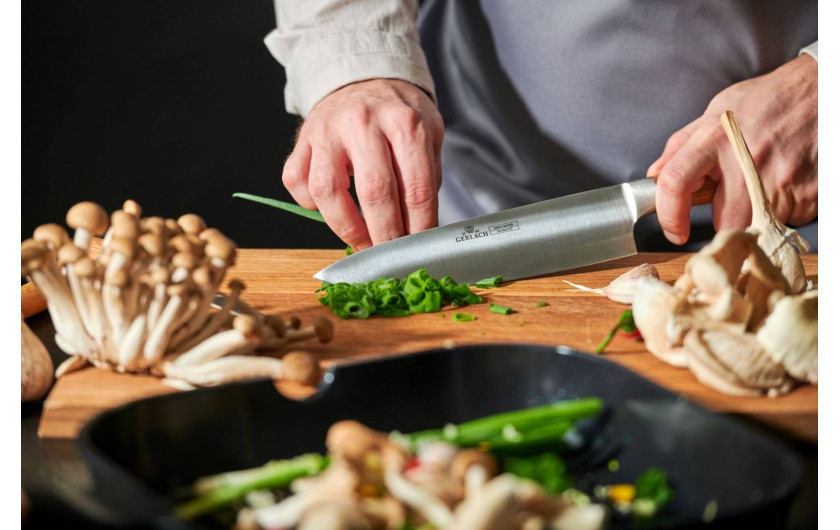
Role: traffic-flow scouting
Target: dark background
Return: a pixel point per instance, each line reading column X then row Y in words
column 174, row 104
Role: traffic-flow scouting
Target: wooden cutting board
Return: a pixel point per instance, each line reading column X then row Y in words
column 280, row 282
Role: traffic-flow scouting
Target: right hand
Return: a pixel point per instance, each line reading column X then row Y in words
column 386, row 133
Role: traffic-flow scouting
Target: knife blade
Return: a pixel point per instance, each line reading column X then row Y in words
column 545, row 237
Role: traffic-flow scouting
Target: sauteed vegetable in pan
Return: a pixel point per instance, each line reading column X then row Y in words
column 500, row 471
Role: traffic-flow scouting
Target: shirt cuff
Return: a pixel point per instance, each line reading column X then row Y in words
column 312, row 73
column 811, row 50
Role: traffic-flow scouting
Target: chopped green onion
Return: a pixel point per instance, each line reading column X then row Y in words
column 500, row 309
column 418, row 293
column 625, row 323
column 487, row 283
column 463, row 317
column 289, row 207
column 542, row 304
column 348, row 250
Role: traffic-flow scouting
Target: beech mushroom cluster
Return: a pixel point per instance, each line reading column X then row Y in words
column 372, row 483
column 144, row 304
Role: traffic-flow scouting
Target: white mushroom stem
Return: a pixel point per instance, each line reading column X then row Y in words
column 418, row 499
column 494, row 508
column 114, row 307
column 158, row 302
column 131, row 347
column 64, row 315
column 284, row 514
column 65, row 345
column 215, row 322
column 71, row 364
column 218, row 345
column 475, row 477
column 225, row 370
column 155, row 345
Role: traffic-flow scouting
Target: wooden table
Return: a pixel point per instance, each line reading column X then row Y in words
column 280, row 282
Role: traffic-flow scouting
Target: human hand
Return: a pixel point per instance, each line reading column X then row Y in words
column 777, row 113
column 386, row 133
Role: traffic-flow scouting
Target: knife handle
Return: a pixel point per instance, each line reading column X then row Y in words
column 702, row 196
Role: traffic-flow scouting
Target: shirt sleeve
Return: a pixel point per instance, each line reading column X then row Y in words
column 811, row 50
column 327, row 44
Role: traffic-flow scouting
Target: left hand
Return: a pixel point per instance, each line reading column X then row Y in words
column 777, row 113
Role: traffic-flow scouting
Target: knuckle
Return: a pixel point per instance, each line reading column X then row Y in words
column 292, row 178
column 405, row 118
column 374, row 190
column 322, row 188
column 359, row 114
column 418, row 195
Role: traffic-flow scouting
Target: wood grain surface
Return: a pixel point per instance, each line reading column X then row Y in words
column 280, row 282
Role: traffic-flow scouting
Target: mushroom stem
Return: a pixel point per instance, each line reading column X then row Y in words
column 225, row 370
column 71, row 364
column 214, row 347
column 131, row 348
column 216, row 321
column 155, row 346
column 423, row 502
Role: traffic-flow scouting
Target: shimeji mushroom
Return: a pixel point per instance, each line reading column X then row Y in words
column 781, row 244
column 494, row 507
column 144, row 304
column 472, row 469
column 88, row 219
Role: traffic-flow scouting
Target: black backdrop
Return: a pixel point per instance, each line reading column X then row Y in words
column 174, row 104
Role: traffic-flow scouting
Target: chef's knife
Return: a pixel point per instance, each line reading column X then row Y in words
column 541, row 238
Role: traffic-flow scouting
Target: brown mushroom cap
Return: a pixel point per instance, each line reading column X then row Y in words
column 276, row 324
column 210, row 233
column 88, row 216
column 70, row 253
column 32, row 255
column 155, row 225
column 122, row 245
column 467, row 458
column 184, row 259
column 84, row 267
column 221, row 248
column 52, row 234
column 124, row 224
column 181, row 244
column 191, row 223
column 236, row 285
column 352, row 440
column 302, row 367
column 172, row 227
column 152, row 243
column 131, row 207
column 118, row 279
column 323, row 329
column 203, row 278
column 247, row 325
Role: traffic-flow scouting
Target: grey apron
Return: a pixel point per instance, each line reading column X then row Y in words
column 546, row 98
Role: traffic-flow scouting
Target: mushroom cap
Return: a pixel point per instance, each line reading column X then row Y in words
column 33, row 254
column 191, row 223
column 153, row 224
column 301, row 367
column 84, row 268
column 221, row 248
column 210, row 233
column 132, row 207
column 124, row 224
column 159, row 276
column 88, row 216
column 653, row 303
column 182, row 289
column 180, row 243
column 70, row 253
column 172, row 227
column 152, row 243
column 467, row 458
column 276, row 324
column 122, row 245
column 710, row 371
column 247, row 325
column 236, row 285
column 202, row 277
column 184, row 259
column 118, row 279
column 352, row 440
column 54, row 235
column 789, row 335
column 323, row 329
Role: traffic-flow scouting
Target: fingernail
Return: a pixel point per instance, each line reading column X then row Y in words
column 673, row 238
column 654, row 168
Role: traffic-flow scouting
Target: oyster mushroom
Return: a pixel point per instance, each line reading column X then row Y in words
column 781, row 244
column 734, row 363
column 789, row 335
column 653, row 304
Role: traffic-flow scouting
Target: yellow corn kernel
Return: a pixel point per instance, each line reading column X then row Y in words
column 622, row 493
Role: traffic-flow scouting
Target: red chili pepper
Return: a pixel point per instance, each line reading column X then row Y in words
column 634, row 335
column 412, row 463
